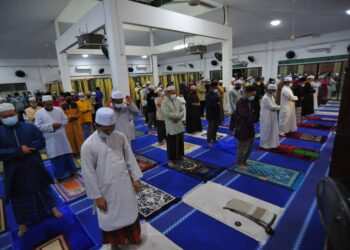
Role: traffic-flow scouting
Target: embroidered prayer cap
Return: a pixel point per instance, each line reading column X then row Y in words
column 272, row 86
column 221, row 81
column 93, row 93
column 81, row 94
column 32, row 99
column 288, row 79
column 105, row 117
column 170, row 88
column 88, row 93
column 117, row 95
column 151, row 86
column 233, row 79
column 311, row 77
column 6, row 107
column 158, row 89
column 148, row 83
column 47, row 98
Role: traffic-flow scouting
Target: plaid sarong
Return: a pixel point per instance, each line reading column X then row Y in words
column 117, row 237
column 298, row 114
column 33, row 209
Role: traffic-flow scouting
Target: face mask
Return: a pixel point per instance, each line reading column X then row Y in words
column 173, row 96
column 251, row 98
column 215, row 90
column 119, row 105
column 10, row 121
column 102, row 135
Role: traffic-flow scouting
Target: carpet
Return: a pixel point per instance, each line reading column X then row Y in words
column 188, row 147
column 326, row 113
column 318, row 118
column 152, row 200
column 307, row 137
column 295, row 151
column 2, row 216
column 139, row 133
column 71, row 189
column 270, row 173
column 219, row 197
column 58, row 242
column 1, row 167
column 203, row 135
column 316, row 126
column 199, row 170
column 145, row 163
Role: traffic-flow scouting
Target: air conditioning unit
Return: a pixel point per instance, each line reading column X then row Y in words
column 90, row 41
column 83, row 69
column 319, row 48
column 197, row 49
column 184, row 65
column 141, row 66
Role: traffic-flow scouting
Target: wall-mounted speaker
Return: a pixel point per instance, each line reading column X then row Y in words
column 20, row 73
column 190, row 65
column 169, row 68
column 290, row 54
column 251, row 58
column 130, row 69
column 218, row 56
column 214, row 63
column 101, row 70
column 158, row 65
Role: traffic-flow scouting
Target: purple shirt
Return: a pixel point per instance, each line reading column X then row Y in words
column 245, row 119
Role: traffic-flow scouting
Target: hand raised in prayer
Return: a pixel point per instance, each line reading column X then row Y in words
column 128, row 100
column 101, row 203
column 56, row 125
column 27, row 150
column 137, row 185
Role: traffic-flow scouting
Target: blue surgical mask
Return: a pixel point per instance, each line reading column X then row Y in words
column 102, row 135
column 251, row 98
column 10, row 121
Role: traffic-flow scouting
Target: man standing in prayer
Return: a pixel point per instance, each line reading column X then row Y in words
column 201, row 92
column 30, row 112
column 27, row 181
column 173, row 112
column 316, row 85
column 20, row 104
column 269, row 132
column 51, row 121
column 73, row 128
column 143, row 93
column 234, row 95
column 278, row 92
column 182, row 100
column 112, row 178
column 308, row 101
column 85, row 109
column 193, row 115
column 137, row 95
column 124, row 114
column 92, row 100
column 213, row 112
column 245, row 119
column 151, row 106
column 287, row 115
column 160, row 117
column 99, row 98
column 221, row 93
column 297, row 89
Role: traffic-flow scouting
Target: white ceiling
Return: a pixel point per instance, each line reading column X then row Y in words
column 27, row 30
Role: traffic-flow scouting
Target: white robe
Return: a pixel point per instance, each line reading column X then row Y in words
column 269, row 132
column 125, row 122
column 287, row 116
column 57, row 143
column 316, row 86
column 183, row 103
column 108, row 169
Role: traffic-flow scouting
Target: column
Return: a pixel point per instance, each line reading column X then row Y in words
column 116, row 47
column 64, row 71
column 226, row 66
column 154, row 60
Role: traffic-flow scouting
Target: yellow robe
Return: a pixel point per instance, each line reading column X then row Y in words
column 85, row 109
column 30, row 113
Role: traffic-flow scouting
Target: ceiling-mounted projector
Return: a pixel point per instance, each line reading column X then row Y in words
column 90, row 41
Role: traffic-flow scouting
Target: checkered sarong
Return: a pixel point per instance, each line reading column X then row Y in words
column 117, row 237
column 298, row 114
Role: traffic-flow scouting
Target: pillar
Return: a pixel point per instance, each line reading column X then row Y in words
column 226, row 67
column 64, row 72
column 116, row 47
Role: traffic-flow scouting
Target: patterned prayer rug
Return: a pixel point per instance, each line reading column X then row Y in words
column 152, row 200
column 316, row 126
column 138, row 133
column 71, row 188
column 56, row 243
column 153, row 132
column 203, row 135
column 327, row 113
column 189, row 147
column 307, row 137
column 2, row 216
column 145, row 163
column 270, row 173
column 318, row 118
column 199, row 170
column 295, row 151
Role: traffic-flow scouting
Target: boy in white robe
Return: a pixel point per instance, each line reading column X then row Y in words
column 111, row 176
column 269, row 132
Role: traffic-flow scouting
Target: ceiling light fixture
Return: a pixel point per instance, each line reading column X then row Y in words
column 348, row 12
column 182, row 46
column 275, row 22
column 85, row 55
column 144, row 57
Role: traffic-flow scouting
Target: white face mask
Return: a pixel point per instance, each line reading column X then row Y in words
column 119, row 105
column 173, row 96
column 251, row 98
column 215, row 90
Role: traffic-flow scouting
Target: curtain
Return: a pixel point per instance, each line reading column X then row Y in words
column 132, row 88
column 54, row 87
column 178, row 78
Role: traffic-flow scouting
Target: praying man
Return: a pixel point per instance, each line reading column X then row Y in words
column 26, row 179
column 111, row 176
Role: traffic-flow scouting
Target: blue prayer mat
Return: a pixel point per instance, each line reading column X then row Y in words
column 277, row 175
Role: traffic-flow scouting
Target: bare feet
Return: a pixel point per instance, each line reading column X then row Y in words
column 283, row 134
column 242, row 166
column 171, row 164
column 22, row 230
column 56, row 213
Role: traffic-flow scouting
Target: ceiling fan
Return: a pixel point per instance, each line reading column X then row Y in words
column 293, row 37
